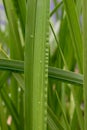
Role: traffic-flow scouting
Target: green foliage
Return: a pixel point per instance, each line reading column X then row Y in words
column 43, row 65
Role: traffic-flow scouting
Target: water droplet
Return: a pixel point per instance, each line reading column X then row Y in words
column 31, row 36
column 46, row 54
column 9, row 94
column 46, row 50
column 45, row 90
column 45, row 113
column 47, row 58
column 39, row 102
column 46, row 75
column 40, row 61
column 45, row 119
column 46, row 82
column 45, row 96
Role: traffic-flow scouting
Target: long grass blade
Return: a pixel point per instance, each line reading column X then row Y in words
column 55, row 9
column 20, row 7
column 14, row 65
column 85, row 60
column 65, row 75
column 64, row 115
column 75, row 31
column 13, row 25
column 55, row 73
column 36, row 64
column 29, row 56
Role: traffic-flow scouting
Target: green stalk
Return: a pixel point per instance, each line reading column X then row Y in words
column 85, row 60
column 36, row 64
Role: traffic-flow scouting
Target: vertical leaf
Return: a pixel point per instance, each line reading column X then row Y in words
column 14, row 31
column 28, row 65
column 75, row 31
column 78, row 48
column 36, row 64
column 20, row 6
column 85, row 60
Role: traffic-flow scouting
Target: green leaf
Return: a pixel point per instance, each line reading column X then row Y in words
column 85, row 60
column 36, row 64
column 55, row 73
column 53, row 121
column 66, row 76
column 75, row 31
column 56, row 8
column 20, row 7
column 16, row 44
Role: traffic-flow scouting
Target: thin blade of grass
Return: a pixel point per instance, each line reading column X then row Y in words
column 3, row 119
column 84, row 8
column 75, row 31
column 20, row 6
column 13, row 25
column 29, row 56
column 56, row 8
column 53, row 121
column 21, row 66
column 67, row 125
